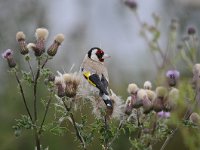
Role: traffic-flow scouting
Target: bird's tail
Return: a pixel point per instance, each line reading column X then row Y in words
column 107, row 101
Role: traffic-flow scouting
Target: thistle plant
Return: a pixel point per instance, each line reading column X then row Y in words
column 151, row 114
column 32, row 77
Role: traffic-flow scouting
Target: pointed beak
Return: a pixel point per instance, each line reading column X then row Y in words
column 106, row 56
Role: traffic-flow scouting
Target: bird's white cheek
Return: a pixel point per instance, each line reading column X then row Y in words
column 94, row 57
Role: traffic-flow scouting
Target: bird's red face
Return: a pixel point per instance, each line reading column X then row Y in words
column 97, row 54
column 100, row 54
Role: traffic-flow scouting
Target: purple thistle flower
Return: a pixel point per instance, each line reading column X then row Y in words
column 173, row 74
column 163, row 114
column 172, row 77
column 8, row 55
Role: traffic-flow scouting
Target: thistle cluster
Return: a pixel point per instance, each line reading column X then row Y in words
column 67, row 84
column 158, row 100
column 41, row 35
column 32, row 77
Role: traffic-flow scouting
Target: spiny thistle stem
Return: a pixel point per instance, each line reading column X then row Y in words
column 23, row 96
column 30, row 67
column 74, row 125
column 37, row 139
column 168, row 138
column 46, row 60
column 35, row 90
column 45, row 114
column 118, row 130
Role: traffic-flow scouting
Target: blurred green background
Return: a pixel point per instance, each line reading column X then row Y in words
column 107, row 24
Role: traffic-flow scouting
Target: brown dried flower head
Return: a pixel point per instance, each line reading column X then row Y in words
column 52, row 50
column 59, row 82
column 72, row 81
column 20, row 37
column 132, row 88
column 41, row 35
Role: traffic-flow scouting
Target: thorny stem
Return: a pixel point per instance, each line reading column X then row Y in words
column 23, row 96
column 74, row 125
column 35, row 106
column 46, row 60
column 30, row 67
column 118, row 130
column 24, row 100
column 35, row 90
column 45, row 114
column 168, row 138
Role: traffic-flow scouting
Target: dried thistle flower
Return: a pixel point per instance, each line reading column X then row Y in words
column 100, row 109
column 8, row 55
column 59, row 82
column 172, row 77
column 195, row 118
column 128, row 106
column 151, row 95
column 41, row 35
column 117, row 103
column 147, row 85
column 20, row 37
column 131, row 4
column 141, row 95
column 72, row 81
column 52, row 50
column 132, row 88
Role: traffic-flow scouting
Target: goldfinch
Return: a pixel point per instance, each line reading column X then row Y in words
column 96, row 73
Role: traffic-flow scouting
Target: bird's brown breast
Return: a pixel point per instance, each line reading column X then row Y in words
column 95, row 67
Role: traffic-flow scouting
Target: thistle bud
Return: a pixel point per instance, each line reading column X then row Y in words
column 161, row 96
column 52, row 50
column 8, row 55
column 72, row 82
column 195, row 118
column 172, row 99
column 161, row 92
column 20, row 37
column 41, row 35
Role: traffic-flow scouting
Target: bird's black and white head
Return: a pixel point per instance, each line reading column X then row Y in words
column 97, row 54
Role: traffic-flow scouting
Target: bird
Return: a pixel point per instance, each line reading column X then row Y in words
column 96, row 73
